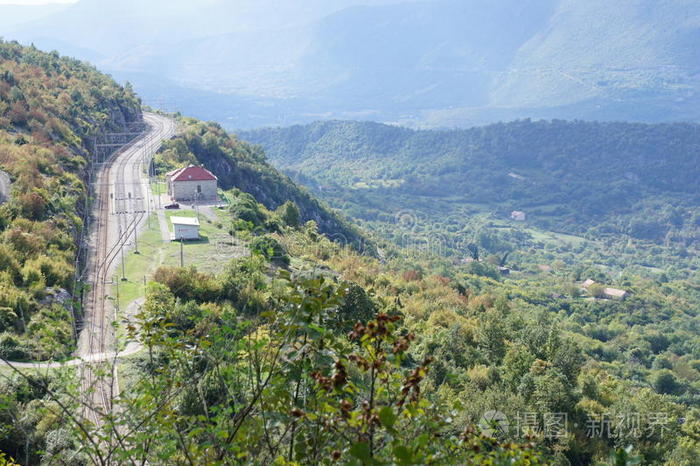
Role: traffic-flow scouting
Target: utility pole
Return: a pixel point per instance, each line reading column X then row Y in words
column 182, row 254
column 136, row 239
column 123, row 266
column 117, row 303
column 148, row 200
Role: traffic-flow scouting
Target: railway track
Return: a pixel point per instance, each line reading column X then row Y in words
column 122, row 201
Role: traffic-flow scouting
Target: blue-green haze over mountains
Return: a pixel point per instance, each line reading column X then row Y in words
column 439, row 63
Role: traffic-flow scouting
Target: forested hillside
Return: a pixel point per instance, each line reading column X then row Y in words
column 626, row 195
column 307, row 352
column 576, row 177
column 240, row 165
column 50, row 109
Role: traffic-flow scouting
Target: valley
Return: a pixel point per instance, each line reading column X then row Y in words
column 627, row 188
column 521, row 292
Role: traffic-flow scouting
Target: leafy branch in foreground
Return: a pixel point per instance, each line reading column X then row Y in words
column 284, row 387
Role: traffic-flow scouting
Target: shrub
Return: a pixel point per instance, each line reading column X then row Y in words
column 356, row 307
column 51, row 333
column 11, row 348
column 32, row 276
column 7, row 318
column 244, row 283
column 289, row 214
column 479, row 376
column 666, row 383
column 483, row 269
column 32, row 206
column 240, row 225
column 412, row 275
column 8, row 260
column 54, row 271
column 188, row 284
column 246, row 208
column 658, row 341
column 14, row 298
column 661, row 362
column 269, row 248
column 24, row 243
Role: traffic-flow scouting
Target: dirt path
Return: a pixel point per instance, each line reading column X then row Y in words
column 163, row 223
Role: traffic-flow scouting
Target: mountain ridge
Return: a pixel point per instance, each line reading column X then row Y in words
column 470, row 62
column 570, row 176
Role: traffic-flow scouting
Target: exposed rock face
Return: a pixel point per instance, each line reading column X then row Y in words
column 4, row 187
column 58, row 296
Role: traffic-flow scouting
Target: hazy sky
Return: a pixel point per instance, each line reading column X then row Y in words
column 34, row 2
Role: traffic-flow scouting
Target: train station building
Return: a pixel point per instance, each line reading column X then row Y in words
column 192, row 183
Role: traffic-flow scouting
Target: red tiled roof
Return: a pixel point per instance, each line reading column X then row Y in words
column 192, row 173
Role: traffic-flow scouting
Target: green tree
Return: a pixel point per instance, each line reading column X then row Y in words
column 290, row 215
column 665, row 382
column 269, row 248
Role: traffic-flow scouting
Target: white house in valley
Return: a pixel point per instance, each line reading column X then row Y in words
column 607, row 292
column 192, row 183
column 518, row 216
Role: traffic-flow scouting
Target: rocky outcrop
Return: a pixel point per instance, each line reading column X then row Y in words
column 4, row 187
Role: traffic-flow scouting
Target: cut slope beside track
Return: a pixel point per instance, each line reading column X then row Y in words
column 122, row 201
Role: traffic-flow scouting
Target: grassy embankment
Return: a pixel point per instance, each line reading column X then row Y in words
column 210, row 253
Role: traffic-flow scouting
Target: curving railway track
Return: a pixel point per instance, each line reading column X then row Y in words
column 122, row 201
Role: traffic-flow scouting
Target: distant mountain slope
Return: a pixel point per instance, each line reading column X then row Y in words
column 421, row 54
column 51, row 108
column 156, row 26
column 12, row 15
column 430, row 63
column 567, row 175
column 641, row 47
column 432, row 54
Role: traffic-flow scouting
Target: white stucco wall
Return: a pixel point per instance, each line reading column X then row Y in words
column 184, row 190
column 185, row 232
